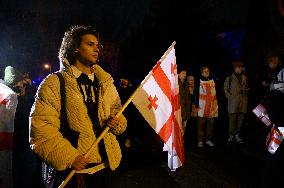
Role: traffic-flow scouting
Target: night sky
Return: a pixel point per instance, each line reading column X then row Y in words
column 135, row 34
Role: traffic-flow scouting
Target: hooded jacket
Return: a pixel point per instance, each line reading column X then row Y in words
column 48, row 142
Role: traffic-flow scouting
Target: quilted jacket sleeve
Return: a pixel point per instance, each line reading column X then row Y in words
column 115, row 107
column 45, row 138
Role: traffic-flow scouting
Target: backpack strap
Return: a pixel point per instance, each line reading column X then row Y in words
column 71, row 135
column 50, row 176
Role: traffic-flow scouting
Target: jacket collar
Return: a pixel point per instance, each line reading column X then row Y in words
column 77, row 73
column 101, row 75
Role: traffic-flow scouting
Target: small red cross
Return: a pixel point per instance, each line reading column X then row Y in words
column 153, row 102
column 173, row 69
column 3, row 101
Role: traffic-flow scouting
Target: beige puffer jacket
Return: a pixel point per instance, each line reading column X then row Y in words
column 45, row 138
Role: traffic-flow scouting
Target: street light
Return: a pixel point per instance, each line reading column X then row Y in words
column 47, row 66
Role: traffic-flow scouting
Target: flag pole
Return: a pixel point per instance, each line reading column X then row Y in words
column 67, row 179
column 168, row 51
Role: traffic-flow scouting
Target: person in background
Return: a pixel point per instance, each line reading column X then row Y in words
column 206, row 104
column 9, row 91
column 273, row 67
column 274, row 105
column 184, row 98
column 190, row 131
column 26, row 166
column 260, row 89
column 125, row 90
column 191, row 83
column 236, row 91
column 30, row 88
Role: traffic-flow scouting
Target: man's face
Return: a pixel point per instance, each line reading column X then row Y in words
column 182, row 75
column 273, row 62
column 205, row 72
column 19, row 87
column 191, row 81
column 124, row 82
column 238, row 69
column 27, row 81
column 88, row 50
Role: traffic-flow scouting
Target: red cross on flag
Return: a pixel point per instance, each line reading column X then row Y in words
column 274, row 139
column 157, row 99
column 8, row 105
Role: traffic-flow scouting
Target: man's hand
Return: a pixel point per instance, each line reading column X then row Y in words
column 79, row 163
column 112, row 122
column 198, row 109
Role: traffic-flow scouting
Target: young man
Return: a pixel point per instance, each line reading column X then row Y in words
column 206, row 104
column 236, row 91
column 91, row 103
column 9, row 91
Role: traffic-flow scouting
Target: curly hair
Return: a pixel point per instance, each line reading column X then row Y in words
column 72, row 40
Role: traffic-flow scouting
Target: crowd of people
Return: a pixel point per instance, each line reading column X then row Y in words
column 58, row 123
column 201, row 102
column 199, row 96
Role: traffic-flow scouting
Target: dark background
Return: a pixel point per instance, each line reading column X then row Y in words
column 135, row 34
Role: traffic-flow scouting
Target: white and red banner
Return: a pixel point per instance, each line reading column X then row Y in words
column 157, row 99
column 8, row 105
column 274, row 139
column 207, row 100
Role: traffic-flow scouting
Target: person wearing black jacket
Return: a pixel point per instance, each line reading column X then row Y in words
column 25, row 163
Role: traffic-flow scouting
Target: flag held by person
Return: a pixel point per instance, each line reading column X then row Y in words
column 274, row 139
column 157, row 99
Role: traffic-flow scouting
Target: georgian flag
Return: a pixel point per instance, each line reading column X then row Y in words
column 274, row 139
column 157, row 99
column 8, row 105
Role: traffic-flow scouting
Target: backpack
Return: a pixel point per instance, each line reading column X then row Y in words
column 48, row 172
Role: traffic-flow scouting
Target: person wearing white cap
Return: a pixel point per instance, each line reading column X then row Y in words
column 8, row 104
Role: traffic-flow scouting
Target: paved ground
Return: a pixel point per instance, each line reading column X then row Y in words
column 225, row 165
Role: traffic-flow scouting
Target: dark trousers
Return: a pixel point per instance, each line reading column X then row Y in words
column 202, row 124
column 26, row 169
column 236, row 121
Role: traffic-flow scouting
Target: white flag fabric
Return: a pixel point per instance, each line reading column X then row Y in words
column 157, row 99
column 274, row 139
column 8, row 105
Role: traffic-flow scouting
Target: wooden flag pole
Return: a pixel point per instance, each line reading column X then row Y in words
column 67, row 179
